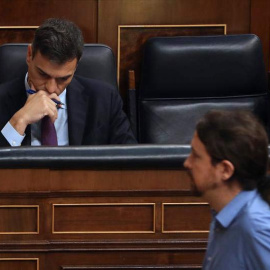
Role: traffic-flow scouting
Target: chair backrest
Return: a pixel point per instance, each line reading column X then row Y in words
column 184, row 77
column 97, row 62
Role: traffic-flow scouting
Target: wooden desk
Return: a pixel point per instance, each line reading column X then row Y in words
column 99, row 208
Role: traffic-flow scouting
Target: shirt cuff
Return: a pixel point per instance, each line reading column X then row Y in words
column 12, row 136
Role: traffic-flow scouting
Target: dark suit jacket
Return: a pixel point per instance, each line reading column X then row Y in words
column 95, row 113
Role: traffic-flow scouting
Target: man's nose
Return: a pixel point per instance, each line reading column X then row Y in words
column 51, row 85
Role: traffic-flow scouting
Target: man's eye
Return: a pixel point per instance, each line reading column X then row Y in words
column 43, row 75
column 194, row 155
column 62, row 79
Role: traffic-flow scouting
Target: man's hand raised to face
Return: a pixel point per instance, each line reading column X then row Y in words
column 36, row 107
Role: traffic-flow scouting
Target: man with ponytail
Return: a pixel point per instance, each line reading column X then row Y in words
column 227, row 166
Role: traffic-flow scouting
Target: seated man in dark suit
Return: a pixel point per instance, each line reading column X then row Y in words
column 91, row 111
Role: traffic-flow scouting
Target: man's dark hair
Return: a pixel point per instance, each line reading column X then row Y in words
column 237, row 136
column 59, row 40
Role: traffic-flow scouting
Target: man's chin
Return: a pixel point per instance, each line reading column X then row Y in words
column 193, row 187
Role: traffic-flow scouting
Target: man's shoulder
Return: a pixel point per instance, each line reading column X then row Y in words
column 255, row 219
column 92, row 85
column 258, row 212
column 256, row 232
column 18, row 80
column 11, row 85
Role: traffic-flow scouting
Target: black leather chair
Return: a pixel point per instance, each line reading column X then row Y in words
column 97, row 62
column 184, row 77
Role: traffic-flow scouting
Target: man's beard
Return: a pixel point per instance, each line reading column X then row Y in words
column 193, row 186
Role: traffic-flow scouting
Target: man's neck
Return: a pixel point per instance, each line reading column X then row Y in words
column 221, row 196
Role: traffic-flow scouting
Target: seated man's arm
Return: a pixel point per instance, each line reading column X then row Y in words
column 11, row 135
column 35, row 108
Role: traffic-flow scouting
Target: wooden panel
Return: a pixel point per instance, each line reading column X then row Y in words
column 34, row 12
column 102, row 181
column 92, row 219
column 260, row 25
column 137, row 259
column 16, row 34
column 23, row 180
column 43, row 180
column 132, row 267
column 186, row 218
column 104, row 218
column 19, row 219
column 111, row 13
column 19, row 264
column 236, row 14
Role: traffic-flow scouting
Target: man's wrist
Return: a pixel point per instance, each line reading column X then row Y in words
column 18, row 123
column 11, row 135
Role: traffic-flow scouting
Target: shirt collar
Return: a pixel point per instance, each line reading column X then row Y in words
column 62, row 96
column 27, row 86
column 232, row 209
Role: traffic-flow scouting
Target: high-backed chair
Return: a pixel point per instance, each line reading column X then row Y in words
column 184, row 77
column 97, row 62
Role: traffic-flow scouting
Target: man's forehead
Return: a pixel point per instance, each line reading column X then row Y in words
column 53, row 69
column 194, row 139
column 39, row 55
column 196, row 143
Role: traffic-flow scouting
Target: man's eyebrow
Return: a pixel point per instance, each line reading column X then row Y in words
column 65, row 77
column 194, row 150
column 43, row 72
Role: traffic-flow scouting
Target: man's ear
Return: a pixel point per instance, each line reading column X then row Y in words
column 29, row 54
column 227, row 169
